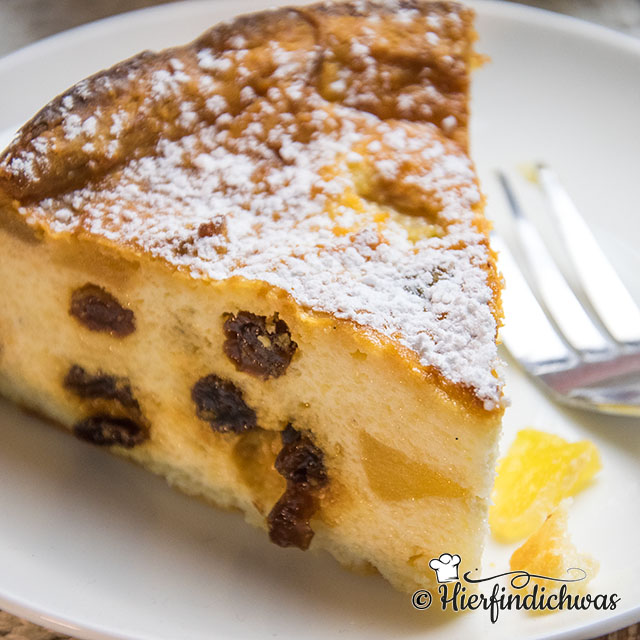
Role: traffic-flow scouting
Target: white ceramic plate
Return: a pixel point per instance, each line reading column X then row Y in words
column 94, row 547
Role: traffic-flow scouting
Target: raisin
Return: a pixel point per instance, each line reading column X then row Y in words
column 221, row 404
column 289, row 519
column 105, row 430
column 98, row 310
column 100, row 385
column 299, row 460
column 258, row 345
column 301, row 463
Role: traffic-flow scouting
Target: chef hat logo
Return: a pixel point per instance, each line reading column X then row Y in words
column 446, row 567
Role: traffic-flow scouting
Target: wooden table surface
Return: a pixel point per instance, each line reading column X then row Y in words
column 25, row 21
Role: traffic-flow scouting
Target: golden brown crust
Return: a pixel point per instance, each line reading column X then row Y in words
column 413, row 80
column 109, row 90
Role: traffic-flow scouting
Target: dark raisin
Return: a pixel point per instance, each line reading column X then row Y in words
column 300, row 460
column 301, row 463
column 107, row 430
column 289, row 519
column 98, row 310
column 258, row 345
column 221, row 404
column 100, row 385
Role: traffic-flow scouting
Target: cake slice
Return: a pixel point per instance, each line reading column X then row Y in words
column 258, row 265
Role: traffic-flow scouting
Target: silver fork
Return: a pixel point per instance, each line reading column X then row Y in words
column 585, row 356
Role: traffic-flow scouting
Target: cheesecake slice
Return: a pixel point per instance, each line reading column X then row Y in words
column 258, row 265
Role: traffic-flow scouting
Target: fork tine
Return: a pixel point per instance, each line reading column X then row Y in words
column 528, row 334
column 563, row 306
column 608, row 295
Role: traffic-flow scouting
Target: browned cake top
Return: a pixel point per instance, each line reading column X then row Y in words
column 320, row 149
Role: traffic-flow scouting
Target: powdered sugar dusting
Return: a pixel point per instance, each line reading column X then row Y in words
column 368, row 219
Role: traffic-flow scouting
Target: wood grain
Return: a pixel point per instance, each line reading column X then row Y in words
column 630, row 633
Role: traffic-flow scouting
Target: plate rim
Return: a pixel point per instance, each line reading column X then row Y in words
column 497, row 8
column 109, row 25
